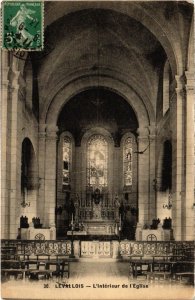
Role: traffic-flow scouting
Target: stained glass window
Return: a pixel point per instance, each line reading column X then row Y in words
column 67, row 156
column 97, row 161
column 127, row 161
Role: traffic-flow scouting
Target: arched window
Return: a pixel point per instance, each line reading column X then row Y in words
column 28, row 170
column 97, row 161
column 127, row 161
column 167, row 166
column 67, row 160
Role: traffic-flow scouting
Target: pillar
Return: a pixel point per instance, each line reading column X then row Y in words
column 5, row 147
column 15, row 158
column 143, row 175
column 177, row 154
column 114, row 183
column 50, row 174
column 152, row 174
column 41, row 172
column 188, row 232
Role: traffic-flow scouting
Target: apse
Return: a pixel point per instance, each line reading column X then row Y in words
column 97, row 107
column 97, row 164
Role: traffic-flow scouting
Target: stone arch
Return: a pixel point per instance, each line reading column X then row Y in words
column 167, row 166
column 50, row 115
column 110, row 143
column 104, row 76
column 97, row 130
column 63, row 192
column 29, row 179
column 62, row 135
column 127, row 191
column 162, row 193
column 141, row 14
column 29, row 163
column 164, row 150
column 146, row 16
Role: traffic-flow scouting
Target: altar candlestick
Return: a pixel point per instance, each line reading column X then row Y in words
column 72, row 220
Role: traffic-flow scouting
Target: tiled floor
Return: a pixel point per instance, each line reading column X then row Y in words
column 96, row 279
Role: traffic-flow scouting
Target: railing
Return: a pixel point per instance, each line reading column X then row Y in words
column 126, row 247
column 34, row 247
column 142, row 248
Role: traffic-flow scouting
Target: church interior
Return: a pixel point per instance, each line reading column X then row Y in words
column 97, row 144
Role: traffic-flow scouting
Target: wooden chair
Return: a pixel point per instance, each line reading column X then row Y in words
column 14, row 268
column 61, row 268
column 8, row 252
column 40, row 274
column 184, row 270
column 160, row 270
column 139, row 267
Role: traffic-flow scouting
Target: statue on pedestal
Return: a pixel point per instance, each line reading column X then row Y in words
column 97, row 209
column 97, row 196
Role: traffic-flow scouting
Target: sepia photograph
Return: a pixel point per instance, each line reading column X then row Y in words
column 97, row 150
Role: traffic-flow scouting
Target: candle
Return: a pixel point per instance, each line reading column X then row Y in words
column 72, row 220
column 120, row 220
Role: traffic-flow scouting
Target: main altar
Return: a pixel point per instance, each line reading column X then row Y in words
column 98, row 217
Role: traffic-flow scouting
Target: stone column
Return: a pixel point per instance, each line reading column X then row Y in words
column 143, row 175
column 50, row 174
column 41, row 171
column 188, row 233
column 115, row 183
column 152, row 174
column 177, row 157
column 5, row 147
column 15, row 157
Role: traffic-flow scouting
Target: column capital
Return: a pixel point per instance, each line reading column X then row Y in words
column 5, row 77
column 180, row 85
column 42, row 130
column 172, row 86
column 51, row 131
column 180, row 81
column 143, row 132
column 14, row 80
column 152, row 131
column 189, row 76
column 51, row 128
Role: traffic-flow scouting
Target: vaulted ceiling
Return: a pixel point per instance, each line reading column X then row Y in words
column 97, row 108
column 118, row 40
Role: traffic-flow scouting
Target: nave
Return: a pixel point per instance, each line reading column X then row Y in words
column 93, row 279
column 98, row 154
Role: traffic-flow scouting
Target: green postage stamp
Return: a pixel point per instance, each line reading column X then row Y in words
column 22, row 27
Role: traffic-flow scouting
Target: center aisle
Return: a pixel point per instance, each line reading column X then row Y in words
column 95, row 279
column 99, row 268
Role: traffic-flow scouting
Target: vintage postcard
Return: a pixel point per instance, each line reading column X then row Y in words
column 97, row 150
